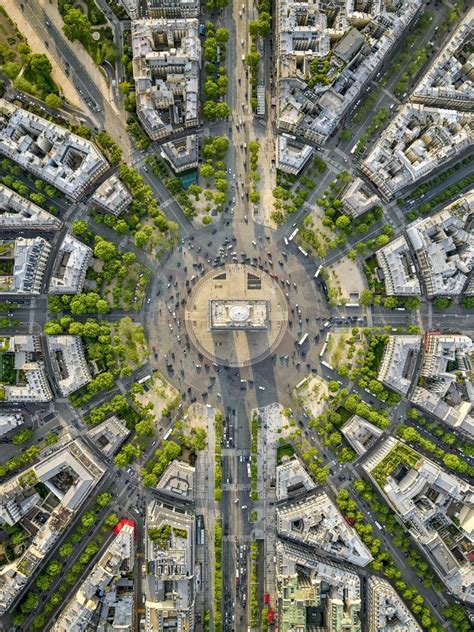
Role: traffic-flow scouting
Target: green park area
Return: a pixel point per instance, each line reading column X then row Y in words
column 30, row 72
column 85, row 22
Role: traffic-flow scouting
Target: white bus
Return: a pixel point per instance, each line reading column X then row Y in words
column 293, row 234
column 318, row 272
column 167, row 433
column 302, row 251
column 303, row 340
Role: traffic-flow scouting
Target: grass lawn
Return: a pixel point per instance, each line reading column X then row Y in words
column 284, row 450
column 7, row 368
column 132, row 336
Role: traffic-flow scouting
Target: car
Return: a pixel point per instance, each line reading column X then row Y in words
column 244, row 507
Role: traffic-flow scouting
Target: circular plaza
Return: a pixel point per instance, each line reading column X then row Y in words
column 236, row 315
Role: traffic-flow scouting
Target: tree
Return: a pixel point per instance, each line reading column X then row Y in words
column 104, row 250
column 22, row 436
column 53, row 568
column 343, row 222
column 145, row 428
column 111, row 520
column 103, row 500
column 30, row 603
column 333, row 386
column 79, row 227
column 150, row 480
column 366, row 297
column 66, row 549
column 390, row 302
column 442, row 302
column 88, row 519
column 412, row 303
column 207, row 171
column 53, row 101
column 11, row 69
column 43, row 581
column 254, row 197
column 76, row 26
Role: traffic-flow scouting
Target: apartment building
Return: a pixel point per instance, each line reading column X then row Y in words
column 292, row 479
column 398, row 269
column 444, row 248
column 315, row 521
column 357, row 199
column 166, row 66
column 399, row 362
column 18, row 213
column 23, row 265
column 360, row 434
column 31, row 382
column 169, row 559
column 109, row 435
column 449, row 81
column 314, row 593
column 182, row 153
column 173, row 8
column 112, row 196
column 70, row 267
column 69, row 363
column 10, row 420
column 436, row 508
column 386, row 610
column 327, row 53
column 291, row 156
column 418, row 140
column 446, row 389
column 69, row 162
column 105, row 599
column 69, row 475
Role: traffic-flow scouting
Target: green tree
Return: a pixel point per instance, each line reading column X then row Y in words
column 53, row 101
column 104, row 250
column 66, row 549
column 88, row 519
column 79, row 227
column 366, row 297
column 22, row 436
column 390, row 302
column 77, row 26
column 111, row 520
column 103, row 499
column 343, row 222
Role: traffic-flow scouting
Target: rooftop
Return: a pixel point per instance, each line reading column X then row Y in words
column 112, row 195
column 399, row 362
column 316, row 521
column 69, row 363
column 444, row 248
column 360, row 433
column 292, row 479
column 18, row 213
column 386, row 610
column 398, row 268
column 418, row 140
column 69, row 162
column 109, row 435
column 166, row 65
column 24, row 263
column 70, row 266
